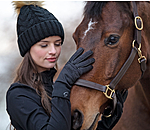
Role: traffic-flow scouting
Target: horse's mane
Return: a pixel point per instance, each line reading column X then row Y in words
column 93, row 9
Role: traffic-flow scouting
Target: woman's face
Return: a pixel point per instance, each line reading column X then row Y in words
column 46, row 52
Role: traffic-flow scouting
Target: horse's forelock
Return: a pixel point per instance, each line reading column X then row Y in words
column 93, row 9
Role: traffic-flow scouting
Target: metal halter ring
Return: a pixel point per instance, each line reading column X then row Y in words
column 139, row 28
column 112, row 92
column 133, row 45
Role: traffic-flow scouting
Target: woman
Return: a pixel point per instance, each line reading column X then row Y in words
column 34, row 102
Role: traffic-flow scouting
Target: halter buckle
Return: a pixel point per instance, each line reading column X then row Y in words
column 136, row 25
column 140, row 54
column 142, row 57
column 112, row 92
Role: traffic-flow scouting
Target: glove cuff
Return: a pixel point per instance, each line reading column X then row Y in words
column 61, row 90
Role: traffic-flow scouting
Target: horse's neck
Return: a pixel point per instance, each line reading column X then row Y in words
column 144, row 83
column 142, row 89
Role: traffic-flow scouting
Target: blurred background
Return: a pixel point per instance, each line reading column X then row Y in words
column 69, row 13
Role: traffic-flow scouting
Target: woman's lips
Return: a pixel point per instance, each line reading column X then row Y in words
column 51, row 59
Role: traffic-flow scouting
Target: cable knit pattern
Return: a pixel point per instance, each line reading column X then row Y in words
column 34, row 24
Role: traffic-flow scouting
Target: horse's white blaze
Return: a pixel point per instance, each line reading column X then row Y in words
column 89, row 27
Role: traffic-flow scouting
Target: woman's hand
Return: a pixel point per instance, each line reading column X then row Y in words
column 75, row 67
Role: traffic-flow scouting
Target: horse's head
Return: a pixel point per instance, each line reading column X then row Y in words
column 108, row 30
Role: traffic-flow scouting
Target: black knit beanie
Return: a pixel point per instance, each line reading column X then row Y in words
column 35, row 23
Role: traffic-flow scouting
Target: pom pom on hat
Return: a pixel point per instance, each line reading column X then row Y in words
column 19, row 4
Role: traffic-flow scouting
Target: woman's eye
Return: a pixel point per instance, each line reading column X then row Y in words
column 45, row 45
column 58, row 44
column 112, row 39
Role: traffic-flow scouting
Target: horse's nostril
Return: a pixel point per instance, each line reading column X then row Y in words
column 77, row 120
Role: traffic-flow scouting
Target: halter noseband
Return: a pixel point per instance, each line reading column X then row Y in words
column 109, row 90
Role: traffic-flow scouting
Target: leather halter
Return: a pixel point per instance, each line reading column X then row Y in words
column 109, row 90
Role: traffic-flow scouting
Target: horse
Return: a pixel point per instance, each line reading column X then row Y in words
column 118, row 34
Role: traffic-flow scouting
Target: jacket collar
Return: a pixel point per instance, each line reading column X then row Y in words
column 47, row 76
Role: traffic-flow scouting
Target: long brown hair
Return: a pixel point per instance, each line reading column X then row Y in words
column 25, row 75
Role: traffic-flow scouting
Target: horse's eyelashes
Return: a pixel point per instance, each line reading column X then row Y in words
column 111, row 40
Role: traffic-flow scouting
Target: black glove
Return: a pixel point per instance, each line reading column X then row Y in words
column 75, row 67
column 107, row 123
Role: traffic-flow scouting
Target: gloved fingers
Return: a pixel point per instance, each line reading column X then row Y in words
column 118, row 110
column 124, row 95
column 76, row 54
column 83, row 57
column 119, row 96
column 100, row 126
column 85, row 69
column 85, row 63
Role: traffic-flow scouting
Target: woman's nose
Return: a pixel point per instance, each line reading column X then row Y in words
column 52, row 50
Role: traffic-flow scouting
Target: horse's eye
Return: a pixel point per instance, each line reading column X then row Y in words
column 112, row 39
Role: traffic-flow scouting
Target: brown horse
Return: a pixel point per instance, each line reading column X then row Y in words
column 108, row 29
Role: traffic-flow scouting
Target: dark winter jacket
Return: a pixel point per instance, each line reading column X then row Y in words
column 25, row 109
